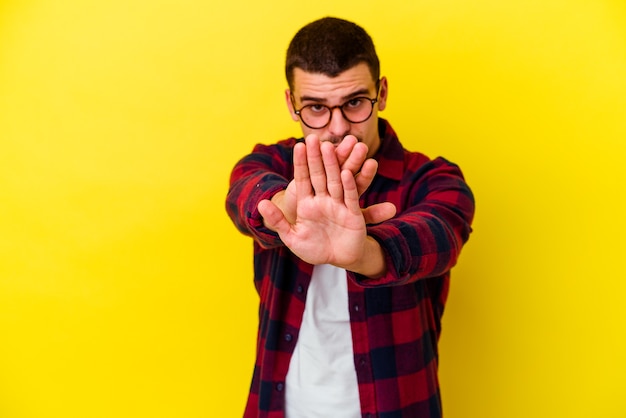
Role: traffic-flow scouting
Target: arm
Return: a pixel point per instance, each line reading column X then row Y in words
column 426, row 238
column 257, row 176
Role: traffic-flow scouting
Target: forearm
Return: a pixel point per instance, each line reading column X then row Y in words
column 242, row 209
column 425, row 239
column 416, row 246
column 258, row 176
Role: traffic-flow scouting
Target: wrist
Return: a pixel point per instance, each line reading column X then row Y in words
column 372, row 263
column 277, row 198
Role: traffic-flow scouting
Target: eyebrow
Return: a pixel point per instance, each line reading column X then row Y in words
column 356, row 93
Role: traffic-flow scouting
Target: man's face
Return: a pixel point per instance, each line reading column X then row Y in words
column 319, row 89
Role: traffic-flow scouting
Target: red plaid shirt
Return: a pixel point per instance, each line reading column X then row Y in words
column 396, row 319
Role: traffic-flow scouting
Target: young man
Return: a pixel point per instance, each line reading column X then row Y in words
column 354, row 239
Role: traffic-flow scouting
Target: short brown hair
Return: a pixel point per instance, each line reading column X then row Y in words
column 330, row 46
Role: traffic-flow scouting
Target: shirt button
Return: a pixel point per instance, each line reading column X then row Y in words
column 357, row 308
column 299, row 289
column 280, row 387
column 362, row 361
column 288, row 337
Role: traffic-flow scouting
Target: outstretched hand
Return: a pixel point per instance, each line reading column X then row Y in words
column 318, row 217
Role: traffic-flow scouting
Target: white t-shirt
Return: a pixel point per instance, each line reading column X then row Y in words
column 321, row 381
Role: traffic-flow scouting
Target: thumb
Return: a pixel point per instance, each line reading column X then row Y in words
column 379, row 212
column 273, row 217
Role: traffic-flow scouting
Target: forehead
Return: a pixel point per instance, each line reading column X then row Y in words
column 321, row 86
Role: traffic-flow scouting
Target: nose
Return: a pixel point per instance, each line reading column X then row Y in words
column 338, row 126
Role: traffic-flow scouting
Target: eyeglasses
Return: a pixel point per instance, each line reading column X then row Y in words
column 318, row 116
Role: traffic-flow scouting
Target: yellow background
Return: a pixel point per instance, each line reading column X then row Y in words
column 125, row 291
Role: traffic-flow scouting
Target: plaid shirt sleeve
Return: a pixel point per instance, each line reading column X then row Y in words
column 259, row 175
column 396, row 319
column 425, row 239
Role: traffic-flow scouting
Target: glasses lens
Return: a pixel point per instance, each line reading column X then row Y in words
column 358, row 109
column 315, row 116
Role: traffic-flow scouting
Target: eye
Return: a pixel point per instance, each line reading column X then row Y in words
column 316, row 108
column 354, row 103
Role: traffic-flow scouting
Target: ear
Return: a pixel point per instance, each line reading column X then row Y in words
column 290, row 105
column 384, row 91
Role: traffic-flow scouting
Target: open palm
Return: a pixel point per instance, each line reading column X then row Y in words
column 329, row 225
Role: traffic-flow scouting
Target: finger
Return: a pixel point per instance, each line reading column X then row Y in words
column 344, row 148
column 317, row 173
column 356, row 158
column 366, row 175
column 301, row 172
column 333, row 174
column 273, row 217
column 379, row 212
column 350, row 193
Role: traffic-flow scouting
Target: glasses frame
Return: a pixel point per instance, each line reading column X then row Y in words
column 331, row 108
